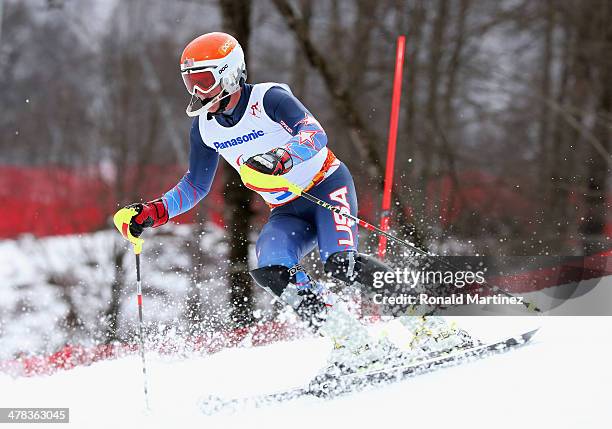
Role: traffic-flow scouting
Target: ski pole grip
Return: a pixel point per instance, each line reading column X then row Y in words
column 122, row 221
column 258, row 181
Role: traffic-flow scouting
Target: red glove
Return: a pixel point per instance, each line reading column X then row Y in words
column 150, row 214
column 275, row 162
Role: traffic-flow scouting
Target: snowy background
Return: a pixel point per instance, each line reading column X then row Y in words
column 56, row 291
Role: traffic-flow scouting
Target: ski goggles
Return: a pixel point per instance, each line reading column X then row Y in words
column 202, row 80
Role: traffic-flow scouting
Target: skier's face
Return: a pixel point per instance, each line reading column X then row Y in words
column 211, row 94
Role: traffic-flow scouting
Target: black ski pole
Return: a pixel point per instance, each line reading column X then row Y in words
column 411, row 246
column 122, row 221
column 252, row 178
column 141, row 329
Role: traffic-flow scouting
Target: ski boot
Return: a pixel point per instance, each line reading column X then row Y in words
column 318, row 307
column 354, row 348
column 432, row 334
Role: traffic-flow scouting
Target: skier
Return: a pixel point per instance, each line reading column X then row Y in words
column 266, row 127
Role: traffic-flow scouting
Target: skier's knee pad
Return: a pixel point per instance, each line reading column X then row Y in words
column 353, row 267
column 273, row 278
column 276, row 279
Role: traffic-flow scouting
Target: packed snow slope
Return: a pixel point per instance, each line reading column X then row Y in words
column 561, row 380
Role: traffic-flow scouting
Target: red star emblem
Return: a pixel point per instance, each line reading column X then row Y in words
column 307, row 138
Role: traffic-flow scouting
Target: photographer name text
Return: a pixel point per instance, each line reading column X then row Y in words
column 453, row 299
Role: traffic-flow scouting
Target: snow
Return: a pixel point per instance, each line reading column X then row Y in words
column 561, row 380
column 40, row 273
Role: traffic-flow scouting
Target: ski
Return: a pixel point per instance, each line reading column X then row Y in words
column 326, row 386
column 334, row 386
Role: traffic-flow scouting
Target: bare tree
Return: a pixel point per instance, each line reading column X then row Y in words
column 238, row 211
column 596, row 40
column 300, row 67
column 132, row 132
column 546, row 90
column 363, row 137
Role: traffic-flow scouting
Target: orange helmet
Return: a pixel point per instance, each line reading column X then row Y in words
column 208, row 61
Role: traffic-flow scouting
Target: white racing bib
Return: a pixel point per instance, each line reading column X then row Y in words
column 256, row 133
